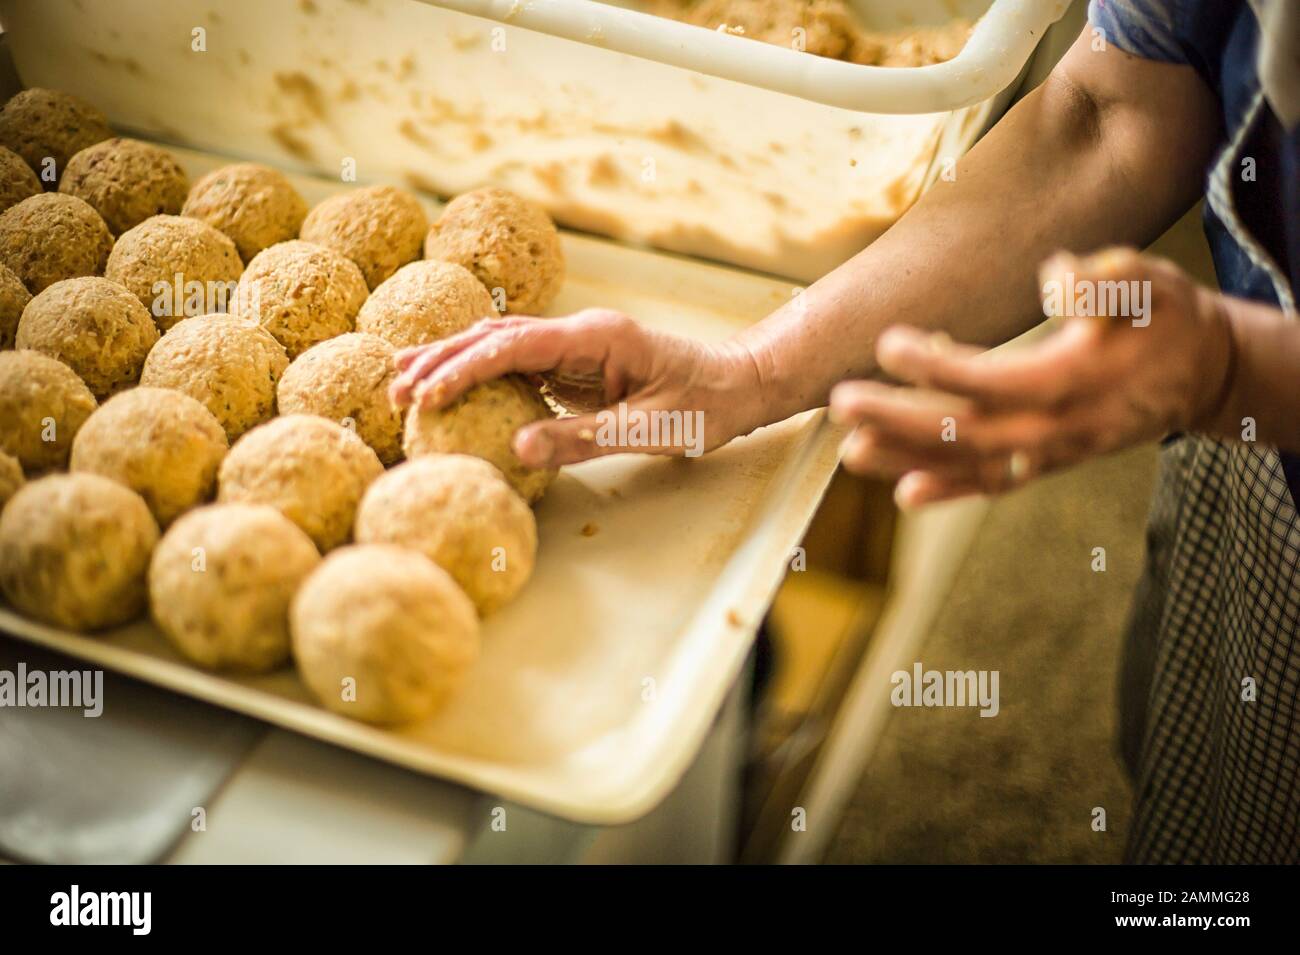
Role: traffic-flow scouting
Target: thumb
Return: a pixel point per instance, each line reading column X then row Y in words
column 559, row 441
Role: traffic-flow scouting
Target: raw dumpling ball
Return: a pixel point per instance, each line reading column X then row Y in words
column 311, row 470
column 382, row 634
column 254, row 205
column 230, row 366
column 125, row 181
column 460, row 513
column 43, row 405
column 74, row 549
column 423, row 302
column 507, row 241
column 13, row 299
column 221, row 581
column 346, row 379
column 11, row 477
column 177, row 268
column 483, row 422
column 379, row 228
column 161, row 444
column 17, row 181
column 52, row 237
column 40, row 124
column 301, row 293
column 95, row 327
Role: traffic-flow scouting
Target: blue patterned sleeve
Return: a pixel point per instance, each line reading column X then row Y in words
column 1146, row 28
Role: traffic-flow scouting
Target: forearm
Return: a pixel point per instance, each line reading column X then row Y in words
column 1259, row 399
column 1064, row 169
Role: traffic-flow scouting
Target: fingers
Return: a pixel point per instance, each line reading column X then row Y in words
column 526, row 349
column 438, row 374
column 1050, row 372
column 986, row 423
column 406, row 356
column 868, row 453
column 1114, row 283
column 1041, row 375
column 1013, row 451
column 924, row 423
column 416, row 363
column 1116, row 262
column 923, row 481
column 553, row 444
column 920, row 485
column 560, row 441
column 904, row 410
column 920, row 488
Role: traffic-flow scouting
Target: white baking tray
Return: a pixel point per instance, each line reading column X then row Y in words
column 630, row 146
column 597, row 686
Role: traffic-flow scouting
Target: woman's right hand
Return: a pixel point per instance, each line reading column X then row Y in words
column 620, row 360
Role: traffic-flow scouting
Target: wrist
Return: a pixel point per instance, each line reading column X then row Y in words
column 746, row 383
column 1219, row 357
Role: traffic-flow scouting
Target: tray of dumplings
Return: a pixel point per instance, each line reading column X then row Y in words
column 205, row 486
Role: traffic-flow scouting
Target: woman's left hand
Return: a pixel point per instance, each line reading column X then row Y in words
column 980, row 423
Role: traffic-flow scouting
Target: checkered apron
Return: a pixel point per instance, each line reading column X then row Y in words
column 1210, row 684
column 1218, row 772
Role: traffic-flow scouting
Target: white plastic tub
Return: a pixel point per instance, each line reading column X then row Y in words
column 1000, row 44
column 611, row 133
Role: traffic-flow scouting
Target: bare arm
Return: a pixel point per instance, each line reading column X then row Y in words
column 1110, row 149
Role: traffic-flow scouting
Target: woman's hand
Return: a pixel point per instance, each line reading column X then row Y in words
column 593, row 359
column 979, row 423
